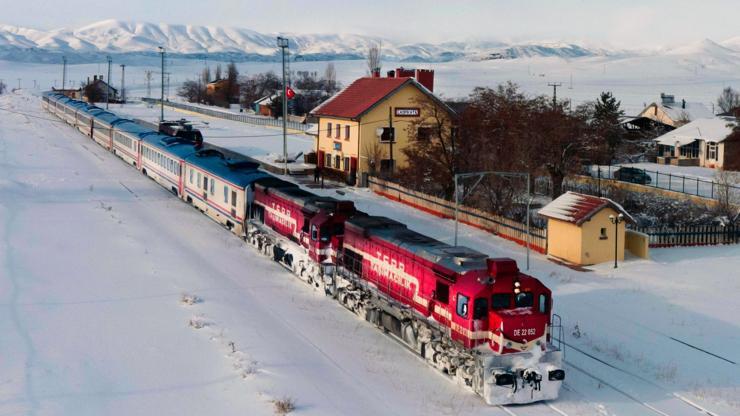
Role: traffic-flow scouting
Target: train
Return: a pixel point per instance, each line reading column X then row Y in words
column 480, row 321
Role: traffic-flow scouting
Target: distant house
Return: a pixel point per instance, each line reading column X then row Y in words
column 580, row 231
column 706, row 142
column 218, row 94
column 70, row 93
column 263, row 106
column 675, row 113
column 100, row 86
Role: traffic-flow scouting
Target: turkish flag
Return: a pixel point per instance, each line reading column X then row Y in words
column 289, row 93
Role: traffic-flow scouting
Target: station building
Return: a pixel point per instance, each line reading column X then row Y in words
column 364, row 128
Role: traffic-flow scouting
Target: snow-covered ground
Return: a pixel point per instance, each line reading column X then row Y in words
column 96, row 259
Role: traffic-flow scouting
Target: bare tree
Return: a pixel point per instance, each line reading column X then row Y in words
column 375, row 152
column 218, row 72
column 374, row 57
column 330, row 77
column 728, row 100
column 728, row 194
column 3, row 87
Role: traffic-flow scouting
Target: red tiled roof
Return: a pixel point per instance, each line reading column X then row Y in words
column 578, row 208
column 359, row 97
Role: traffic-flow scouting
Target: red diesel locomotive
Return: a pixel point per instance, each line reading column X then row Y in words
column 477, row 319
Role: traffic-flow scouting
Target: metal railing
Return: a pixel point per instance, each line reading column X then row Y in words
column 227, row 115
column 689, row 185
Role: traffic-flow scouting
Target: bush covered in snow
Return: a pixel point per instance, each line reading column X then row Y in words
column 284, row 406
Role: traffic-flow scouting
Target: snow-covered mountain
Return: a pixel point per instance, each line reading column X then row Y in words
column 119, row 37
column 113, row 36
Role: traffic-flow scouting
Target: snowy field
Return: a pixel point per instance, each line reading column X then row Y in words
column 96, row 259
column 698, row 74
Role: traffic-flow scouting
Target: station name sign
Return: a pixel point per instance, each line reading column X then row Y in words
column 407, row 112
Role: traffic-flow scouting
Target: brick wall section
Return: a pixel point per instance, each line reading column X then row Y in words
column 503, row 227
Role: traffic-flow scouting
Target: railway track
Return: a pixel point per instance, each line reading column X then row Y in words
column 676, row 398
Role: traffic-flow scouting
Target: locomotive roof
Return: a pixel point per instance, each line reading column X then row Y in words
column 293, row 193
column 458, row 259
column 239, row 172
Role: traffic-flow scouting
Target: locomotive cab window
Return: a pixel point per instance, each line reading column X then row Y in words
column 462, row 305
column 543, row 303
column 442, row 292
column 524, row 300
column 324, row 234
column 480, row 308
column 500, row 301
column 314, row 232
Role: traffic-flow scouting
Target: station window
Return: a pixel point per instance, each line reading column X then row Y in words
column 338, row 130
column 603, row 235
column 337, row 162
column 346, row 132
column 346, row 164
column 462, row 305
column 328, row 130
column 328, row 160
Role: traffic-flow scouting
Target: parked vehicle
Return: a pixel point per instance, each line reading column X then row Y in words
column 633, row 175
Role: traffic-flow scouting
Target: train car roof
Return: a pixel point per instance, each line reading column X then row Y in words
column 458, row 259
column 241, row 173
column 175, row 146
column 136, row 129
column 108, row 117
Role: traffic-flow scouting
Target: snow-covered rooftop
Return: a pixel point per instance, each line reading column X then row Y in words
column 578, row 208
column 714, row 129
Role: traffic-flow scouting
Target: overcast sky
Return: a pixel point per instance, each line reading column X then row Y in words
column 622, row 23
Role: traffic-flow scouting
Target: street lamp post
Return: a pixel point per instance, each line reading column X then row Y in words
column 616, row 221
column 282, row 43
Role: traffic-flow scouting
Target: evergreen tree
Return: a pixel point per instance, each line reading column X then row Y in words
column 607, row 113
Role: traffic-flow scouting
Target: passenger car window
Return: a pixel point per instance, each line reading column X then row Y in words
column 500, row 301
column 524, row 300
column 462, row 305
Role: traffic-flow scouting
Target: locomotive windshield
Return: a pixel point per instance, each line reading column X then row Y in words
column 500, row 301
column 524, row 300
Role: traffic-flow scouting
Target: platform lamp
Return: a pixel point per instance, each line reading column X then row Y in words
column 616, row 221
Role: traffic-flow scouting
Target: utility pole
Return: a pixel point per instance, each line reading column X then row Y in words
column 282, row 43
column 555, row 86
column 64, row 72
column 107, row 84
column 123, row 83
column 161, row 98
column 148, row 84
column 19, row 83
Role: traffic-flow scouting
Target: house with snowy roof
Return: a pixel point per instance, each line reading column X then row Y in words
column 580, row 230
column 675, row 113
column 365, row 127
column 706, row 142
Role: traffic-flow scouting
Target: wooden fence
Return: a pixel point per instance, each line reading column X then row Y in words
column 501, row 226
column 692, row 235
